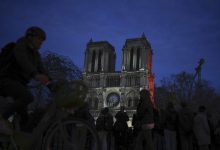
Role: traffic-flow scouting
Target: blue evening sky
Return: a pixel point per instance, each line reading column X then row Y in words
column 180, row 31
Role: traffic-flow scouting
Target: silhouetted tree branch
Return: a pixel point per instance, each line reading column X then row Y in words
column 60, row 67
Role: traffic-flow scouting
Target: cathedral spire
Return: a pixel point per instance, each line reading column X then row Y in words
column 143, row 35
column 90, row 41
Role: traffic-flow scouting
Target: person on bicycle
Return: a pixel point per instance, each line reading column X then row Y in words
column 25, row 65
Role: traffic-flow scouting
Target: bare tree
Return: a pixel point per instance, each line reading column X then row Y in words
column 178, row 87
column 60, row 67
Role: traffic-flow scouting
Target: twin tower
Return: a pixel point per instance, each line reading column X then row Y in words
column 111, row 88
column 101, row 57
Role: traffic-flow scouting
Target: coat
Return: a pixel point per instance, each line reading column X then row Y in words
column 201, row 129
column 145, row 112
column 25, row 64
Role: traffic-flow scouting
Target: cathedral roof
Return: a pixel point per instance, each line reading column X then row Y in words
column 142, row 39
column 99, row 43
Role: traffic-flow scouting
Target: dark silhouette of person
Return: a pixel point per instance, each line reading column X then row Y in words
column 121, row 129
column 217, row 135
column 170, row 127
column 185, row 127
column 136, row 125
column 26, row 65
column 104, row 125
column 201, row 129
column 146, row 118
column 158, row 133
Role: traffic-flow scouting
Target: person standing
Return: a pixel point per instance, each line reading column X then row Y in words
column 185, row 127
column 146, row 118
column 104, row 126
column 121, row 129
column 201, row 129
column 217, row 135
column 158, row 132
column 170, row 127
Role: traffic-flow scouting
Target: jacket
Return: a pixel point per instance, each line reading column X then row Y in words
column 145, row 112
column 201, row 129
column 26, row 62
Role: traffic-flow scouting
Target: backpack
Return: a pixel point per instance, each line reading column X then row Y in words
column 6, row 55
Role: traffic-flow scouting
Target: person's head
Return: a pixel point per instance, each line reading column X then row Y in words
column 36, row 36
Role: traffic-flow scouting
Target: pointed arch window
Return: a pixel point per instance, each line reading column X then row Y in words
column 138, row 59
column 129, row 102
column 96, row 103
column 100, row 61
column 131, row 59
column 93, row 61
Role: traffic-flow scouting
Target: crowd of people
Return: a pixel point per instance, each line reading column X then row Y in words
column 118, row 136
column 154, row 129
column 185, row 129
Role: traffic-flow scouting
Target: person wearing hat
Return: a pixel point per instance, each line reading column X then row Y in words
column 25, row 65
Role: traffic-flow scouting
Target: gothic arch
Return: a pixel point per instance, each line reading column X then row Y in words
column 93, row 100
column 131, row 98
column 95, row 103
column 129, row 102
column 93, row 61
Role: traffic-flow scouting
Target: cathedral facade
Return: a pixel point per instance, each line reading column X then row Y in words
column 110, row 88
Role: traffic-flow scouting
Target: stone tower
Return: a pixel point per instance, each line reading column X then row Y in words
column 99, row 57
column 137, row 56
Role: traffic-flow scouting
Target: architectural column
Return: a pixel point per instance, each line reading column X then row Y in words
column 103, row 61
column 143, row 57
column 128, row 60
column 138, row 58
column 99, row 60
column 111, row 60
column 134, row 58
column 122, row 79
column 89, row 62
column 106, row 60
column 85, row 61
column 93, row 57
column 96, row 60
column 123, row 60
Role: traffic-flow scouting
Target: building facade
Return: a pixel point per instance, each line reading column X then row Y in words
column 110, row 88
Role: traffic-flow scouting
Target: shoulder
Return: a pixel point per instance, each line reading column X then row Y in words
column 22, row 40
column 21, row 43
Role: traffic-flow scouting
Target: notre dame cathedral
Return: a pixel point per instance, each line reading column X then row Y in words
column 110, row 88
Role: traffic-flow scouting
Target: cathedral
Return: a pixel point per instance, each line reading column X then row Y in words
column 111, row 88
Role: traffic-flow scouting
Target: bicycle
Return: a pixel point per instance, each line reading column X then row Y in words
column 59, row 129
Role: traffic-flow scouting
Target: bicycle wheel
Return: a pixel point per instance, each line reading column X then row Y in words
column 73, row 134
